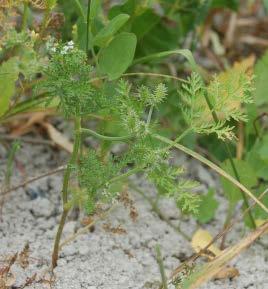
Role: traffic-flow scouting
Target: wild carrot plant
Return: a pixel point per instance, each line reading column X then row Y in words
column 86, row 77
column 69, row 78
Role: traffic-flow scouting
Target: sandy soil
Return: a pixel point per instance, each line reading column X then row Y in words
column 101, row 259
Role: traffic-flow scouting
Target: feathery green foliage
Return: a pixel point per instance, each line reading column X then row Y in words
column 85, row 83
column 68, row 78
column 225, row 96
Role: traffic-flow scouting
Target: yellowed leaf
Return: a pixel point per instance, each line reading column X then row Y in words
column 260, row 222
column 200, row 240
column 227, row 84
column 212, row 268
column 57, row 137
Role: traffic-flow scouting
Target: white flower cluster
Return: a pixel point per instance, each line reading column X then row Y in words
column 65, row 49
column 69, row 46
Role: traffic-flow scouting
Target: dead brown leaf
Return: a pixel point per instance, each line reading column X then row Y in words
column 57, row 137
column 25, row 127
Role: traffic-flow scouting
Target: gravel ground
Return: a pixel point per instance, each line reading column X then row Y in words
column 101, row 259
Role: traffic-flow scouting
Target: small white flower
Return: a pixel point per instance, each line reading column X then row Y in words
column 70, row 44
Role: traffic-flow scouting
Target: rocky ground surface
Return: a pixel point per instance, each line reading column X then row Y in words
column 101, row 259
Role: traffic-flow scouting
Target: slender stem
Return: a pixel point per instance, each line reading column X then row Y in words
column 8, row 174
column 25, row 15
column 180, row 137
column 88, row 23
column 143, row 74
column 126, row 175
column 10, row 162
column 161, row 267
column 55, row 254
column 155, row 75
column 149, row 116
column 104, row 137
column 227, row 222
column 212, row 166
column 65, row 186
column 230, row 157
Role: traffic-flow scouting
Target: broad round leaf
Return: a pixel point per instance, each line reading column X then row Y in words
column 118, row 55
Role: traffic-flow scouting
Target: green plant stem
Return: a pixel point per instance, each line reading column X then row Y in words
column 180, row 137
column 126, row 175
column 212, row 166
column 167, row 76
column 104, row 137
column 230, row 157
column 159, row 260
column 88, row 23
column 25, row 15
column 66, row 180
column 227, row 221
column 10, row 163
column 149, row 116
column 86, row 20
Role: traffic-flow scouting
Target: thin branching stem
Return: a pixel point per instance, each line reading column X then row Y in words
column 126, row 175
column 206, row 162
column 88, row 23
column 66, row 180
column 167, row 76
column 230, row 157
column 105, row 137
column 149, row 116
column 159, row 260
